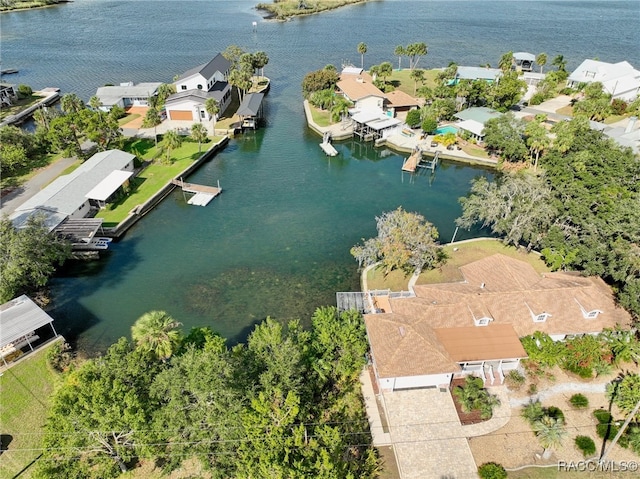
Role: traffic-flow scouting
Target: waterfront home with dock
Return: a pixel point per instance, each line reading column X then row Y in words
column 194, row 87
column 67, row 203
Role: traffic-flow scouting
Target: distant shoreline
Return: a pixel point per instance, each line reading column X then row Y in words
column 284, row 10
column 36, row 5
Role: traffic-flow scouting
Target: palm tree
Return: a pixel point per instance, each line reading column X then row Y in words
column 417, row 76
column 95, row 103
column 157, row 333
column 71, row 103
column 506, row 61
column 260, row 60
column 164, row 91
column 541, row 60
column 560, row 63
column 199, row 134
column 385, row 70
column 151, row 120
column 550, row 431
column 362, row 49
column 399, row 52
column 172, row 140
column 537, row 140
column 339, row 108
column 213, row 108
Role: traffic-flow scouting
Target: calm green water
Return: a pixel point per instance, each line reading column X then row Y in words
column 276, row 242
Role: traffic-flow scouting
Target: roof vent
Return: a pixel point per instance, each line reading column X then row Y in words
column 482, row 285
column 401, row 329
column 360, row 80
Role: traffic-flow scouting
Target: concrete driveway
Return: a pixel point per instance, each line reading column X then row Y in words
column 423, row 428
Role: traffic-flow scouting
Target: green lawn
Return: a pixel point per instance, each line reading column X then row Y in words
column 153, row 177
column 466, row 253
column 320, row 117
column 128, row 118
column 25, row 391
column 475, row 150
column 18, row 106
column 402, row 81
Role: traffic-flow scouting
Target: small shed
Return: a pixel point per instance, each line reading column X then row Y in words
column 20, row 318
column 250, row 110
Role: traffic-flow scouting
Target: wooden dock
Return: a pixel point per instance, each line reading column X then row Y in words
column 411, row 163
column 202, row 194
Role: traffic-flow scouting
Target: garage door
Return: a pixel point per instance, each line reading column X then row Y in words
column 180, row 115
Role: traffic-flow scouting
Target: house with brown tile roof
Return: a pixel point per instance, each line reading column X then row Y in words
column 473, row 326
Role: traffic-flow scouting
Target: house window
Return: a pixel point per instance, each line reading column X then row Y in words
column 183, row 87
column 591, row 314
column 202, row 112
column 199, row 87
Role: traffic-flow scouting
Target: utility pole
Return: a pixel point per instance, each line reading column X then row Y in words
column 620, row 432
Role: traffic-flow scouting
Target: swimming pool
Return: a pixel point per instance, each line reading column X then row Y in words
column 446, row 129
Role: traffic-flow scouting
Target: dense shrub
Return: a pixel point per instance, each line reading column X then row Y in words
column 579, row 401
column 533, row 411
column 429, row 124
column 514, row 379
column 618, row 106
column 59, row 356
column 554, row 412
column 492, row 470
column 24, row 91
column 536, row 99
column 602, row 416
column 413, row 118
column 586, row 445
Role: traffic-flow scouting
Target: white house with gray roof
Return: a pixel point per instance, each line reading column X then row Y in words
column 74, row 195
column 126, row 94
column 195, row 86
column 620, row 80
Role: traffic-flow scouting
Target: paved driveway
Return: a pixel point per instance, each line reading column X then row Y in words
column 423, row 428
column 427, row 436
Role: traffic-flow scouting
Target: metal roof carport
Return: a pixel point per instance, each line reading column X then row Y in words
column 19, row 319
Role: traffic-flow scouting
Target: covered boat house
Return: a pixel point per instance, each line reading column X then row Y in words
column 21, row 321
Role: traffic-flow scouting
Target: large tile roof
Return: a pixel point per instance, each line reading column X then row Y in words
column 506, row 291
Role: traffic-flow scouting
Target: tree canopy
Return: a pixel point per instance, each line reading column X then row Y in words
column 285, row 404
column 405, row 241
column 28, row 256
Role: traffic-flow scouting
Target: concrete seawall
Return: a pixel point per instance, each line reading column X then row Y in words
column 139, row 211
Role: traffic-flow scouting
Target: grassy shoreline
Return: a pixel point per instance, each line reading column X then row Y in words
column 286, row 9
column 19, row 5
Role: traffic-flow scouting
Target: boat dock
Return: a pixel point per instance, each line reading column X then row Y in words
column 326, row 145
column 411, row 163
column 202, row 194
column 417, row 161
column 49, row 96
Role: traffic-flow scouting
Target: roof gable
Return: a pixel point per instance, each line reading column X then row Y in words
column 218, row 64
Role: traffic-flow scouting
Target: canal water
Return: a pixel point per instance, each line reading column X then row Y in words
column 276, row 242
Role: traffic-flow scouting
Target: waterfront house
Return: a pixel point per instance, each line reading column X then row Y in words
column 195, row 86
column 473, row 326
column 620, row 80
column 472, row 120
column 76, row 195
column 21, row 323
column 8, row 94
column 360, row 90
column 126, row 94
